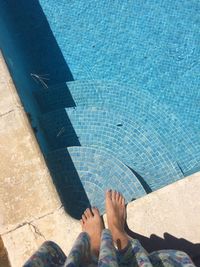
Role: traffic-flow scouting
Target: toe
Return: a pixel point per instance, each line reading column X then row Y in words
column 85, row 214
column 84, row 218
column 120, row 198
column 123, row 201
column 117, row 196
column 113, row 193
column 95, row 211
column 108, row 194
column 88, row 213
column 81, row 222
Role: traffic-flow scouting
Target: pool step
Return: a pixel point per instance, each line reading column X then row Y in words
column 183, row 143
column 61, row 95
column 136, row 145
column 83, row 174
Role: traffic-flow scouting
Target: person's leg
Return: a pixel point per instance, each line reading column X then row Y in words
column 92, row 224
column 130, row 252
column 48, row 254
column 170, row 258
column 116, row 216
column 86, row 248
column 107, row 256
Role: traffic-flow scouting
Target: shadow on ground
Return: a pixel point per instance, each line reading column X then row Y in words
column 169, row 241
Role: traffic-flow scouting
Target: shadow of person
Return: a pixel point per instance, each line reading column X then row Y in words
column 37, row 64
column 168, row 241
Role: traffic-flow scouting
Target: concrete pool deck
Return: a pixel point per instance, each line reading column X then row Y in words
column 30, row 208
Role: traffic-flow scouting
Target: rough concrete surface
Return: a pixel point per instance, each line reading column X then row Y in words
column 57, row 227
column 8, row 95
column 23, row 171
column 174, row 209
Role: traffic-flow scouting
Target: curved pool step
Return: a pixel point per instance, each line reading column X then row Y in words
column 183, row 143
column 138, row 147
column 83, row 174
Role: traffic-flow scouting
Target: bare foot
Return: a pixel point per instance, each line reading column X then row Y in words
column 92, row 224
column 116, row 216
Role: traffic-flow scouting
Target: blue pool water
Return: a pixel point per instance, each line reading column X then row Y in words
column 153, row 45
column 112, row 89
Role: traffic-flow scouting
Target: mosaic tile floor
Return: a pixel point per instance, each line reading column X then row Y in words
column 136, row 104
column 138, row 147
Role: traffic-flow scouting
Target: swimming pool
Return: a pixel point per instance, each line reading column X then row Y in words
column 111, row 89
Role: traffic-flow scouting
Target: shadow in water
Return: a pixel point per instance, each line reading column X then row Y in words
column 169, row 241
column 33, row 41
column 36, row 63
column 142, row 181
column 60, row 164
column 68, row 183
column 54, row 98
column 59, row 130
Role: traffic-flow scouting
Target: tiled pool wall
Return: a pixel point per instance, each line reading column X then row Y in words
column 111, row 89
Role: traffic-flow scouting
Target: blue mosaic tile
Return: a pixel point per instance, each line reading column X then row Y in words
column 79, row 173
column 183, row 143
column 136, row 145
column 150, row 44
